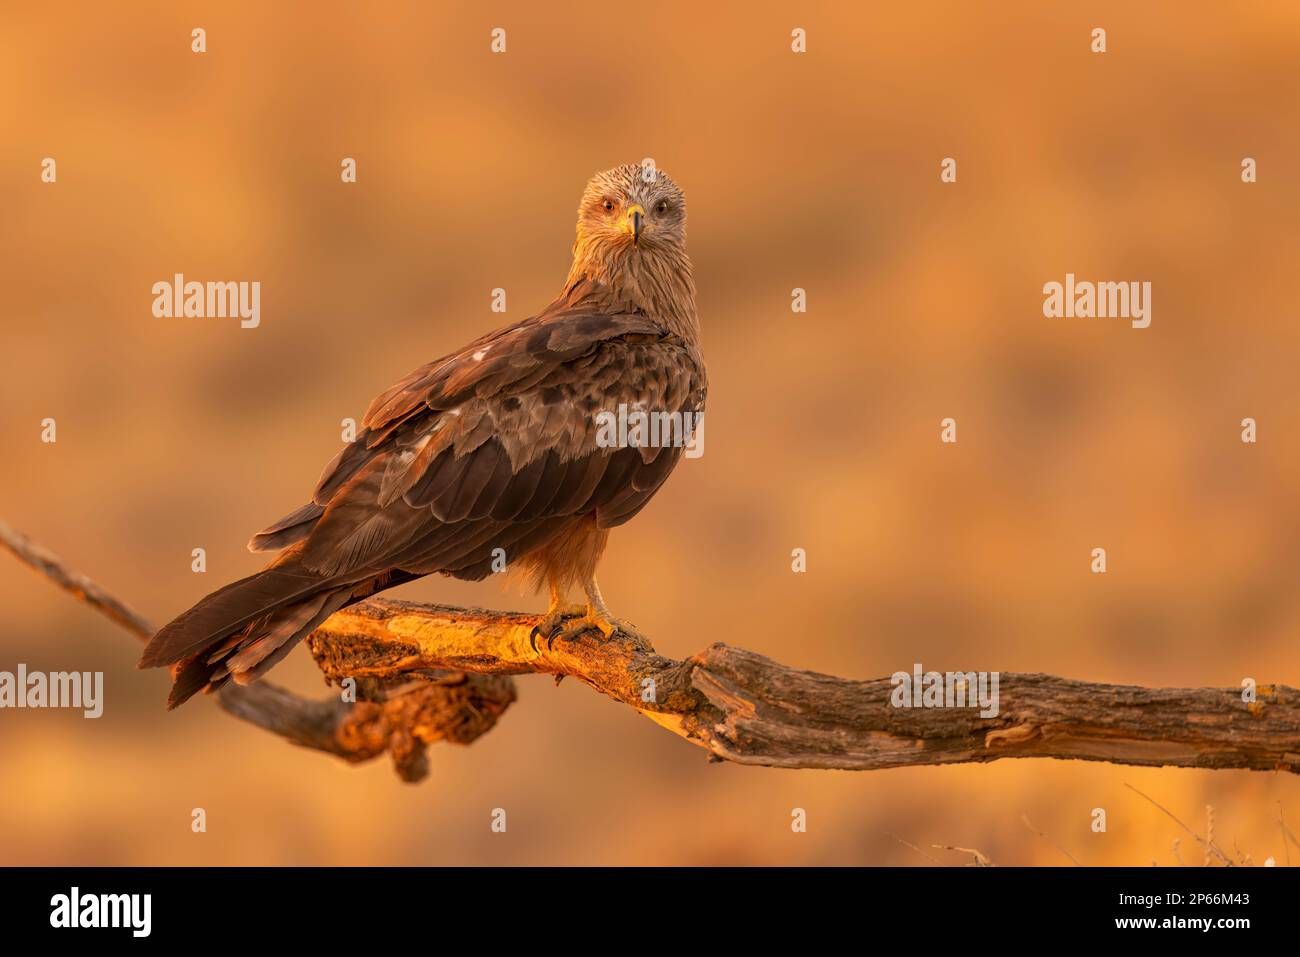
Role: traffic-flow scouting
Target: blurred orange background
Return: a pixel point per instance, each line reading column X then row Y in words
column 818, row 171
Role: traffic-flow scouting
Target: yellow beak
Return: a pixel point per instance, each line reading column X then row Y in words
column 635, row 220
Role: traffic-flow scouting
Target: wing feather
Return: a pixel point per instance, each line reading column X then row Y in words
column 495, row 446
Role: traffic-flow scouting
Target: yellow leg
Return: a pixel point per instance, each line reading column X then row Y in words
column 597, row 617
column 556, row 613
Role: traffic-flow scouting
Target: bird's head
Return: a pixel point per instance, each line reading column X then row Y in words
column 631, row 210
column 632, row 241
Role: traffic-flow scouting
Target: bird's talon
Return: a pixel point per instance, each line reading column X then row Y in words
column 570, row 625
column 551, row 623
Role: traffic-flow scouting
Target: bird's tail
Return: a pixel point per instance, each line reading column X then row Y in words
column 241, row 630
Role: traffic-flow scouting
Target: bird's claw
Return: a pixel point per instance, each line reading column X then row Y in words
column 575, row 629
column 570, row 627
column 604, row 629
column 550, row 625
column 537, row 632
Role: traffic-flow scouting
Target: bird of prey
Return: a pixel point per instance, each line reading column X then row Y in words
column 493, row 450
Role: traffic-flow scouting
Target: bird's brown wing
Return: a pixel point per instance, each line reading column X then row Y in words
column 495, row 446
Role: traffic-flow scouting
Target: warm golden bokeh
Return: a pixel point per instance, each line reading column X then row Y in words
column 819, row 171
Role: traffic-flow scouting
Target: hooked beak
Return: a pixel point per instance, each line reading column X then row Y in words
column 635, row 221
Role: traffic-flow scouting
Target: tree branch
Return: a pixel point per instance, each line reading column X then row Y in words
column 743, row 707
column 47, row 563
column 400, row 717
column 427, row 673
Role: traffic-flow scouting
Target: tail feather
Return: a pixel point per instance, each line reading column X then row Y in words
column 189, row 678
column 333, row 602
column 243, row 630
column 281, row 627
column 228, row 610
column 247, row 655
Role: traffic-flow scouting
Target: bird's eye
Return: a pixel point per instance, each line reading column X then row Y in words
column 661, row 207
column 608, row 205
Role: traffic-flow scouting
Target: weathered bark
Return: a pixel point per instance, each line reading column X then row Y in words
column 401, row 720
column 743, row 707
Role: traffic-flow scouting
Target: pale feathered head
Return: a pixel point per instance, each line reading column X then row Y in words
column 632, row 242
column 633, row 209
